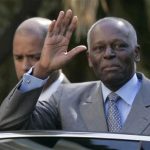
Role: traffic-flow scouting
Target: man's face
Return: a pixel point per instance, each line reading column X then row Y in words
column 26, row 52
column 112, row 54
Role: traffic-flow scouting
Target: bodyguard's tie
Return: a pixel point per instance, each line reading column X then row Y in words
column 113, row 115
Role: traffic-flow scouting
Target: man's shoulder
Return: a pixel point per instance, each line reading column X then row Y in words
column 143, row 78
column 76, row 91
column 145, row 82
column 81, row 84
column 78, row 87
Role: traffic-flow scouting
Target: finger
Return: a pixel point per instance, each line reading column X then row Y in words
column 67, row 57
column 72, row 53
column 58, row 23
column 66, row 21
column 71, row 27
column 51, row 27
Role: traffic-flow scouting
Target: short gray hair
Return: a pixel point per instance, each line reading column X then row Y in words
column 113, row 19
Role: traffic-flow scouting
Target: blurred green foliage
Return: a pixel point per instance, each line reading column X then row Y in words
column 8, row 8
column 13, row 12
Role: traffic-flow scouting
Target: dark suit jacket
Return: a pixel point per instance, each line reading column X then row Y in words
column 74, row 107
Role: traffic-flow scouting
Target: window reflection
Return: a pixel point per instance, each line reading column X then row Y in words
column 53, row 143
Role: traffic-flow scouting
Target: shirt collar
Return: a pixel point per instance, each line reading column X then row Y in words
column 129, row 87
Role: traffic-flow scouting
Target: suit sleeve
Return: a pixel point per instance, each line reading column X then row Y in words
column 22, row 111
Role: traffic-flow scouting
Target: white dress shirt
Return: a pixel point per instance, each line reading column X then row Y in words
column 52, row 88
column 127, row 94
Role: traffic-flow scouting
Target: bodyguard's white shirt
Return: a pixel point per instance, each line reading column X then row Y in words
column 127, row 94
column 52, row 88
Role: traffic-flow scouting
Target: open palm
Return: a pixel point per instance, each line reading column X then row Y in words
column 55, row 52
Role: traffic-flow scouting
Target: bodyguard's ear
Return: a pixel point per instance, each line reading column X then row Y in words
column 89, row 59
column 137, row 54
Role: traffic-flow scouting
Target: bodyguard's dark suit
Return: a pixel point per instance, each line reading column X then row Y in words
column 74, row 107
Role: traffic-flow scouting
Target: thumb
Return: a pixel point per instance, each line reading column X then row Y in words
column 75, row 51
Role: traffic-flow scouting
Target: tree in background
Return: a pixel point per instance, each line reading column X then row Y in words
column 13, row 12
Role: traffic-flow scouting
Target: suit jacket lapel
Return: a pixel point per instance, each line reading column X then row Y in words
column 92, row 111
column 139, row 116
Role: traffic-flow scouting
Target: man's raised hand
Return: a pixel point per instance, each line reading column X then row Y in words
column 55, row 52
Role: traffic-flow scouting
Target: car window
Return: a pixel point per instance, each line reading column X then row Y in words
column 56, row 143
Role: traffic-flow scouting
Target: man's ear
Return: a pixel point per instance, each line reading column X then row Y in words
column 137, row 54
column 89, row 59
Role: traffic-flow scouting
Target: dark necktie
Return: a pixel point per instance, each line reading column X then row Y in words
column 113, row 115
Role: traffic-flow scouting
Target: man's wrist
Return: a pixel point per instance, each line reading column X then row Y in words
column 30, row 82
column 40, row 72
